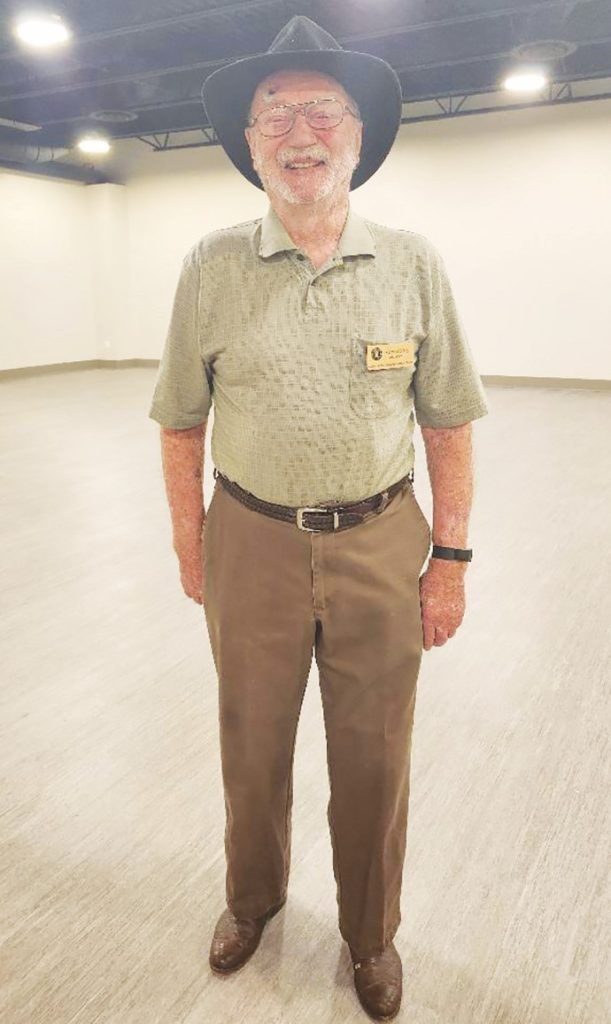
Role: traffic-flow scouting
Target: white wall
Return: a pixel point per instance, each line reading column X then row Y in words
column 108, row 221
column 516, row 201
column 46, row 298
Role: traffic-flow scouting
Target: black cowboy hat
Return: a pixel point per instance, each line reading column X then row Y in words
column 227, row 93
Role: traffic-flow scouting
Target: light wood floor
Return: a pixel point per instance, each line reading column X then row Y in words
column 112, row 865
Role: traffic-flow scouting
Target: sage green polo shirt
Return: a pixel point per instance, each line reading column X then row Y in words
column 301, row 414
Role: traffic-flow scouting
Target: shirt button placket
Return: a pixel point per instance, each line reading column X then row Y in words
column 310, row 297
column 309, row 280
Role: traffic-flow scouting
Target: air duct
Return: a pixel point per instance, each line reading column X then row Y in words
column 22, row 152
column 46, row 161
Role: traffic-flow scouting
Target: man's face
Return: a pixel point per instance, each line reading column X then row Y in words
column 331, row 154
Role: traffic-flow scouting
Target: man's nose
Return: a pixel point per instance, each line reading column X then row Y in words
column 301, row 132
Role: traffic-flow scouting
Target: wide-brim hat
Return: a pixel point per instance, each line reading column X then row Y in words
column 373, row 84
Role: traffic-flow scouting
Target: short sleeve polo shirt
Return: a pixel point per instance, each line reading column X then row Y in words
column 284, row 350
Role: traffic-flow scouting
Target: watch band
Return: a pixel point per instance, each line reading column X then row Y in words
column 452, row 554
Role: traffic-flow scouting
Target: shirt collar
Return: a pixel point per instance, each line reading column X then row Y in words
column 356, row 238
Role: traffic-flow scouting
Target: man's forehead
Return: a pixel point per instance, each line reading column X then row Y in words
column 274, row 87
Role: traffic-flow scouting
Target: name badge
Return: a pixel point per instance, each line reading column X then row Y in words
column 389, row 356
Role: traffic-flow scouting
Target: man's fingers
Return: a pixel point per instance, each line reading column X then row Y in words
column 434, row 636
column 428, row 634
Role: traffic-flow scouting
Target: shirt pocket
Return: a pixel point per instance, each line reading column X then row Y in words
column 377, row 394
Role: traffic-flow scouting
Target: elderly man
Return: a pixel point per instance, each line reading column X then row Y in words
column 319, row 335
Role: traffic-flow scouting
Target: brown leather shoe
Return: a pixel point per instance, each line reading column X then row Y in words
column 236, row 938
column 378, row 981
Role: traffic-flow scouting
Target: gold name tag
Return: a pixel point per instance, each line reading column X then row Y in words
column 389, row 356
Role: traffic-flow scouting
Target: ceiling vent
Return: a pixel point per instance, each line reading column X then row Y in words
column 544, row 50
column 113, row 116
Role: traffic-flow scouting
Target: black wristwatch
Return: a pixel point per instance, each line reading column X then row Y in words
column 452, row 554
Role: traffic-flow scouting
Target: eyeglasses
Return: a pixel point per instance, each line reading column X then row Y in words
column 320, row 114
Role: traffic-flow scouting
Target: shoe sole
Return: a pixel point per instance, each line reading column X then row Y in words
column 223, row 971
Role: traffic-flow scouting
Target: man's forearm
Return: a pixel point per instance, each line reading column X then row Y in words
column 449, row 459
column 182, row 456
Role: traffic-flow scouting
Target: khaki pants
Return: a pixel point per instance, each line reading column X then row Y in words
column 273, row 595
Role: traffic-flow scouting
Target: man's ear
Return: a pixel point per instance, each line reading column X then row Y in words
column 247, row 133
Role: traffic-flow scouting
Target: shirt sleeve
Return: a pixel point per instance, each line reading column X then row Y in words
column 182, row 396
column 448, row 390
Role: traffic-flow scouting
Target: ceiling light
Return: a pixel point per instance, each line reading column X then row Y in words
column 526, row 81
column 93, row 144
column 42, row 30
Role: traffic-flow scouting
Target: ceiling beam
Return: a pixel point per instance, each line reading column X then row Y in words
column 563, row 97
column 159, row 24
column 397, row 30
column 142, row 76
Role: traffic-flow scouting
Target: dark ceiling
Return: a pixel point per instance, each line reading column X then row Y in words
column 149, row 57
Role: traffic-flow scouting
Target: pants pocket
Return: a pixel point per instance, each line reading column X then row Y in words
column 427, row 534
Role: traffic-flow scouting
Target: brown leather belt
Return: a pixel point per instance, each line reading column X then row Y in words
column 322, row 518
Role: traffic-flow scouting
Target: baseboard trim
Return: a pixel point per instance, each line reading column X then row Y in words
column 592, row 384
column 493, row 380
column 84, row 364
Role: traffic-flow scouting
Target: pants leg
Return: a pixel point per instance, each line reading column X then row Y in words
column 368, row 651
column 258, row 607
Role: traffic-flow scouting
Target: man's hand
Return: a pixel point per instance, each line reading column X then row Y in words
column 442, row 600
column 189, row 553
column 182, row 454
column 442, row 586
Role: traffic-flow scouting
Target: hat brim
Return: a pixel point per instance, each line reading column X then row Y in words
column 227, row 93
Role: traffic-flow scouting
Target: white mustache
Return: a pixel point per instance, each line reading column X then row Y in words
column 301, row 156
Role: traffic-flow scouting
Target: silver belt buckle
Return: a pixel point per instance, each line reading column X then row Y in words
column 312, row 529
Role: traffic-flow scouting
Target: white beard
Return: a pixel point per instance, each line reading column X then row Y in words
column 272, row 179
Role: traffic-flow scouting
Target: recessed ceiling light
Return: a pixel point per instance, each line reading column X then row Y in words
column 93, row 144
column 525, row 81
column 41, row 30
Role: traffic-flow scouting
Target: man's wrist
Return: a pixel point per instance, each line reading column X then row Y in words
column 443, row 556
column 451, row 552
column 448, row 565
